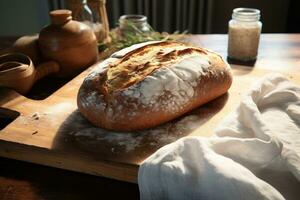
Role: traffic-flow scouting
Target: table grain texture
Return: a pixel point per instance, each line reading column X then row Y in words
column 20, row 180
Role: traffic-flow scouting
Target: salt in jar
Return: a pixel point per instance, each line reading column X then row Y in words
column 243, row 34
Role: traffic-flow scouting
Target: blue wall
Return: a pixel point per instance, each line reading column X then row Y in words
column 21, row 17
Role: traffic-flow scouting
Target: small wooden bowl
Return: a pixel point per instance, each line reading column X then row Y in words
column 18, row 72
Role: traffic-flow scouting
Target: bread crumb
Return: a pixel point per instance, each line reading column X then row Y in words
column 35, row 132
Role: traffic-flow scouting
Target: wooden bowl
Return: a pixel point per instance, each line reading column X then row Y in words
column 18, row 72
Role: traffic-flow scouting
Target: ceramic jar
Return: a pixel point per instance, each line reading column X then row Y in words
column 70, row 43
column 28, row 45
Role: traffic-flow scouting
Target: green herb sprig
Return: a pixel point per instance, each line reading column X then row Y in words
column 133, row 36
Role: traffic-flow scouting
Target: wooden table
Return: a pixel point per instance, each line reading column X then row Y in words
column 19, row 180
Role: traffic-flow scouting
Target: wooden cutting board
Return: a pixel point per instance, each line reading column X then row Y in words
column 52, row 132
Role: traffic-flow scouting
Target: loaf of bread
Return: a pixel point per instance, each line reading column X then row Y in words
column 151, row 83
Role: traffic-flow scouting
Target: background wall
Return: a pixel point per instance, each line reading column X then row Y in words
column 200, row 16
column 274, row 14
column 20, row 17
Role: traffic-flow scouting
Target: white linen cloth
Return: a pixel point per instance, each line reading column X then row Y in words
column 262, row 133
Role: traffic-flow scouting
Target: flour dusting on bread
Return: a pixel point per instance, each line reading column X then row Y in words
column 176, row 83
column 157, row 82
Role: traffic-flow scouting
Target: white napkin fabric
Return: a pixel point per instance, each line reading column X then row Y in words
column 262, row 133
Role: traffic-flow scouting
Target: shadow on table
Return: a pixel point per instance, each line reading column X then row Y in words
column 250, row 63
column 241, row 68
column 21, row 180
column 78, row 136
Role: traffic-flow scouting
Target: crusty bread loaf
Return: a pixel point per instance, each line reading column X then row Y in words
column 148, row 84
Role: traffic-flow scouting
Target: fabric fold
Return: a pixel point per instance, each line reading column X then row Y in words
column 263, row 132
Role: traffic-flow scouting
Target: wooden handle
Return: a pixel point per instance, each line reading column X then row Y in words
column 45, row 69
column 103, row 14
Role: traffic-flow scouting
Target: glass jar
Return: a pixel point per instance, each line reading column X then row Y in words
column 101, row 26
column 82, row 12
column 85, row 14
column 133, row 24
column 243, row 34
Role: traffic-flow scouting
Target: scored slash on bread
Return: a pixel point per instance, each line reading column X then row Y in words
column 139, row 63
column 151, row 84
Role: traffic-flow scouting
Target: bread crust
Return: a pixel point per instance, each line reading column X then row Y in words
column 161, row 95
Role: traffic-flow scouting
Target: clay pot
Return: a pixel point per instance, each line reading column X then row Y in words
column 70, row 43
column 18, row 72
column 28, row 45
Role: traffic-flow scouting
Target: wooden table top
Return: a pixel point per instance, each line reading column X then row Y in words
column 20, row 180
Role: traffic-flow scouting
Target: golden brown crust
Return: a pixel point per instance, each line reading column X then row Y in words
column 185, row 78
column 141, row 62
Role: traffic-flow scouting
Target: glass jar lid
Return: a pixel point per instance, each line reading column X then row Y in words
column 246, row 14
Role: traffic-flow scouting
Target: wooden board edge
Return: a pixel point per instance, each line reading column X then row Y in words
column 56, row 159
